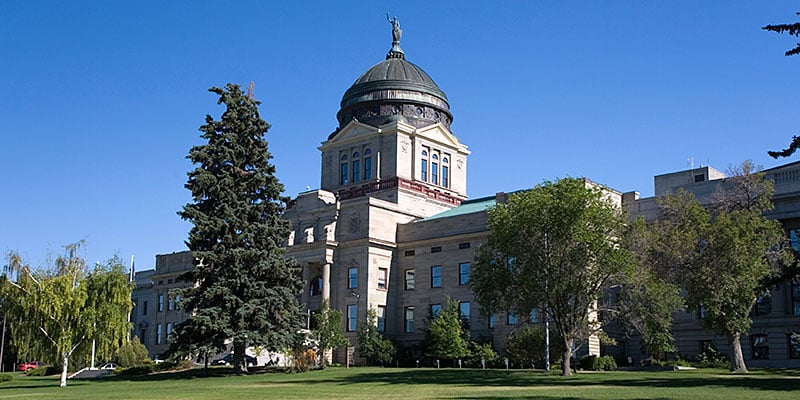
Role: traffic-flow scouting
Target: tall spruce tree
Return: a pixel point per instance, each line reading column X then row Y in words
column 793, row 30
column 245, row 290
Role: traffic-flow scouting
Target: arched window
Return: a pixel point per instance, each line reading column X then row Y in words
column 435, row 169
column 445, row 172
column 423, row 169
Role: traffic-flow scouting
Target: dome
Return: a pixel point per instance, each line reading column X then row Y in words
column 395, row 87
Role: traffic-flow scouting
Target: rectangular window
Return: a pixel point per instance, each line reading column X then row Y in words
column 763, row 304
column 463, row 273
column 170, row 303
column 382, row 273
column 491, row 320
column 796, row 297
column 462, row 246
column 463, row 311
column 511, row 318
column 343, row 175
column 367, row 168
column 409, row 253
column 352, row 278
column 445, row 176
column 158, row 333
column 169, row 329
column 436, row 309
column 701, row 312
column 160, row 302
column 534, row 317
column 143, row 338
column 144, row 308
column 435, row 173
column 436, row 276
column 409, row 279
column 352, row 317
column 356, row 170
column 381, row 318
column 794, row 344
column 423, row 171
column 760, row 347
column 409, row 319
column 436, row 249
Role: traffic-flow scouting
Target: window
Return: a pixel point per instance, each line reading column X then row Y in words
column 436, row 276
column 409, row 253
column 435, row 172
column 409, row 319
column 367, row 166
column 169, row 329
column 158, row 333
column 144, row 308
column 436, row 249
column 423, row 171
column 701, row 312
column 491, row 320
column 463, row 273
column 356, row 170
column 409, row 279
column 760, row 347
column 381, row 318
column 796, row 297
column 316, row 286
column 170, row 303
column 463, row 312
column 436, row 309
column 160, row 303
column 352, row 278
column 343, row 173
column 699, row 178
column 534, row 316
column 382, row 272
column 462, row 246
column 352, row 317
column 143, row 334
column 763, row 304
column 794, row 344
column 511, row 318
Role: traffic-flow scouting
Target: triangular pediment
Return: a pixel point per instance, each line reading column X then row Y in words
column 352, row 131
column 439, row 134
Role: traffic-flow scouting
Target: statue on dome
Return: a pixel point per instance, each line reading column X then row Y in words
column 397, row 33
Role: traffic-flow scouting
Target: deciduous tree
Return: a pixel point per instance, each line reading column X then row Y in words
column 244, row 289
column 723, row 253
column 372, row 344
column 445, row 334
column 556, row 247
column 328, row 332
column 58, row 310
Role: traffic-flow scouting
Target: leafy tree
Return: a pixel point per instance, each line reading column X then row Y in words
column 132, row 354
column 328, row 332
column 57, row 311
column 526, row 346
column 721, row 255
column 793, row 30
column 647, row 299
column 555, row 247
column 245, row 289
column 445, row 334
column 372, row 344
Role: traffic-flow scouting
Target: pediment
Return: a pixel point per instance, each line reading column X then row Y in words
column 439, row 134
column 352, row 131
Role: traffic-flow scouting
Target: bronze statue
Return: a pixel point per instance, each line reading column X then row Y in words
column 397, row 33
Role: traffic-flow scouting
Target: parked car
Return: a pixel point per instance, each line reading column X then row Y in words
column 30, row 365
column 228, row 360
column 111, row 366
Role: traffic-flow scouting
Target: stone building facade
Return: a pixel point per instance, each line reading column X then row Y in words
column 391, row 227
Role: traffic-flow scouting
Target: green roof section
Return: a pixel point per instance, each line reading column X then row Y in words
column 467, row 207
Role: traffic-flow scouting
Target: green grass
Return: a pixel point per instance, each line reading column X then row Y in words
column 391, row 383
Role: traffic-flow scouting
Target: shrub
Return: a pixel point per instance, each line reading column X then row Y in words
column 131, row 354
column 711, row 358
column 478, row 352
column 594, row 363
column 526, row 347
column 6, row 377
column 141, row 369
column 304, row 360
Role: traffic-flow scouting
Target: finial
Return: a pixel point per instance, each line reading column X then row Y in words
column 397, row 33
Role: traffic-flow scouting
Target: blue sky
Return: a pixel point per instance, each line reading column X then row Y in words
column 101, row 100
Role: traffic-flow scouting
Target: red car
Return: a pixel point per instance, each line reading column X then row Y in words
column 30, row 365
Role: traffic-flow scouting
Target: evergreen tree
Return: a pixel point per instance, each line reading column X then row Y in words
column 793, row 30
column 244, row 288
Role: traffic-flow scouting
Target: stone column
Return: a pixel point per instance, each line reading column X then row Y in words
column 326, row 282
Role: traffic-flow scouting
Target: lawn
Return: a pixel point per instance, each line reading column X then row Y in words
column 423, row 383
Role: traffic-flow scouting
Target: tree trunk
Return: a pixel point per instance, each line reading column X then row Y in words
column 566, row 368
column 737, row 359
column 239, row 360
column 64, row 372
